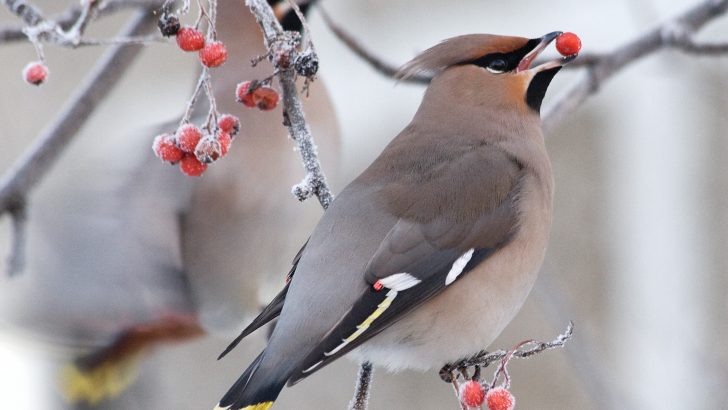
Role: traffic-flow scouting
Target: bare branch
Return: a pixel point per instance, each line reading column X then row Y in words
column 30, row 14
column 25, row 173
column 385, row 68
column 676, row 33
column 276, row 39
column 606, row 65
column 524, row 350
column 68, row 18
column 363, row 386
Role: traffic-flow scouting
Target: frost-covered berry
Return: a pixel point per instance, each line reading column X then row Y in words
column 213, row 54
column 245, row 93
column 306, row 63
column 35, row 73
column 165, row 148
column 188, row 136
column 229, row 123
column 267, row 98
column 168, row 24
column 568, row 44
column 500, row 399
column 472, row 393
column 190, row 39
column 191, row 166
column 208, row 150
column 225, row 140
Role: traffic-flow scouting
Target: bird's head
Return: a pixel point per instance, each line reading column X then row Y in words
column 491, row 70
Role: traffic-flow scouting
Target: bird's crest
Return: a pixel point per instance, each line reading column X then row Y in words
column 458, row 50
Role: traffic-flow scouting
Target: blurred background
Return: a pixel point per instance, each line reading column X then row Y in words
column 637, row 257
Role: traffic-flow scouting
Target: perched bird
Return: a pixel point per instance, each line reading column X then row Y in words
column 126, row 254
column 427, row 255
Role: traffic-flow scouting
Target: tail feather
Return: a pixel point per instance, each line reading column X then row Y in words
column 255, row 389
column 93, row 384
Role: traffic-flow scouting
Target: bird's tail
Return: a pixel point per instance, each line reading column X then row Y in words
column 107, row 372
column 256, row 389
column 103, row 380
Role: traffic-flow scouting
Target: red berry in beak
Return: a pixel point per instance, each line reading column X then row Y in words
column 568, row 44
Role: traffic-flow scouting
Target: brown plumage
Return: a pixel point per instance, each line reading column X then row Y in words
column 431, row 251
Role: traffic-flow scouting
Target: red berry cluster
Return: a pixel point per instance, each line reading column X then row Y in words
column 193, row 150
column 256, row 94
column 211, row 54
column 473, row 393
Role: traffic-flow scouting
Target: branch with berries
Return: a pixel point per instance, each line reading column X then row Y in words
column 290, row 61
column 191, row 146
column 474, row 391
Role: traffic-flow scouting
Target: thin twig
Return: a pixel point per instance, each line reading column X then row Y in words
column 64, row 21
column 140, row 40
column 294, row 118
column 606, row 65
column 385, row 68
column 37, row 160
column 555, row 305
column 676, row 33
column 484, row 358
column 29, row 13
column 79, row 27
column 360, row 400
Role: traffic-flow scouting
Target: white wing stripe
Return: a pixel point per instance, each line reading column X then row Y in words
column 399, row 281
column 458, row 266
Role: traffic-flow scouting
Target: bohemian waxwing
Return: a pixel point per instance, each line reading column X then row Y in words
column 126, row 253
column 427, row 255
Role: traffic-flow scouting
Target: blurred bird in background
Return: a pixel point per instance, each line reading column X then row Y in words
column 427, row 255
column 126, row 253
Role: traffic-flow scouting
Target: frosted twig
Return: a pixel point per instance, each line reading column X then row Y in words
column 294, row 118
column 524, row 350
column 73, row 35
column 37, row 160
column 69, row 17
column 193, row 99
column 363, row 387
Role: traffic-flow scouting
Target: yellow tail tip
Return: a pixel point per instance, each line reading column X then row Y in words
column 106, row 381
column 260, row 406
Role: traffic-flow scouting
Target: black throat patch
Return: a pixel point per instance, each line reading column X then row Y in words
column 537, row 88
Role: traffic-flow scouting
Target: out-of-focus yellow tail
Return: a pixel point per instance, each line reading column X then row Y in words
column 105, row 381
column 107, row 372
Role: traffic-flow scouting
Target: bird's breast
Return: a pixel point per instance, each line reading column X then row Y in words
column 471, row 312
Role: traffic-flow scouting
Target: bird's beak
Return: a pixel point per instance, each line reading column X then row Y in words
column 527, row 60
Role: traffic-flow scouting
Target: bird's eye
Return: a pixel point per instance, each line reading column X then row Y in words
column 497, row 66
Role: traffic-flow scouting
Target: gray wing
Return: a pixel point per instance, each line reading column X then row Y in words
column 448, row 225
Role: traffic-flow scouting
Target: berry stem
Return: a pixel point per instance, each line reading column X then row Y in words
column 193, row 99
